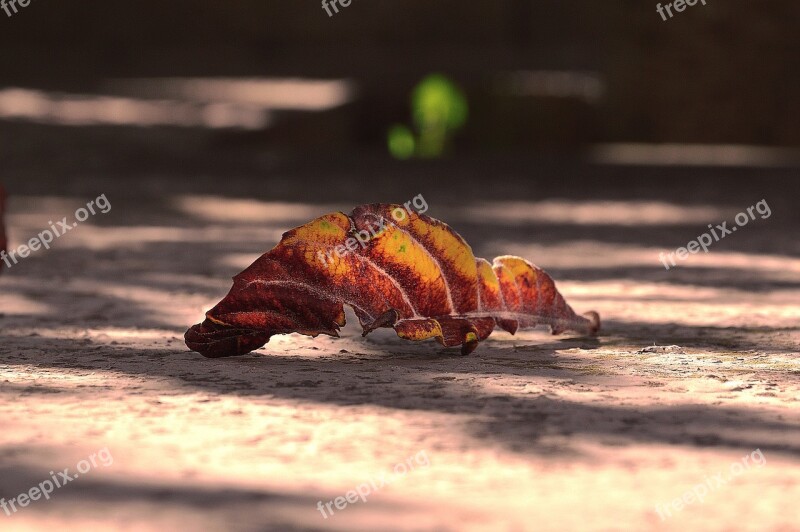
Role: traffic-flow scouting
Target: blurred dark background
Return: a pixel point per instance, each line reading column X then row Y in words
column 543, row 79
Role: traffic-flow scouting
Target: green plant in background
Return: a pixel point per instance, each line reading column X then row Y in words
column 439, row 108
column 402, row 143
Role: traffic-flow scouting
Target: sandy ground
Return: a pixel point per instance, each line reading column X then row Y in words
column 696, row 369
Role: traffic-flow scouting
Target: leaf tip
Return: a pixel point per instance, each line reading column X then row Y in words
column 470, row 344
column 594, row 322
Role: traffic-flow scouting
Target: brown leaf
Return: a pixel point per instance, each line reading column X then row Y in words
column 395, row 268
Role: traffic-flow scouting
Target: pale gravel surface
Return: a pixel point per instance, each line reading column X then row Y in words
column 530, row 432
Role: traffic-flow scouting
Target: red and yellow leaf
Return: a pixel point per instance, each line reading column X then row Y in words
column 394, row 268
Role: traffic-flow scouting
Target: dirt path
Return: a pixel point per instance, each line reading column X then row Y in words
column 697, row 368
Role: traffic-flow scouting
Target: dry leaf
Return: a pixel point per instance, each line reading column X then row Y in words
column 395, row 268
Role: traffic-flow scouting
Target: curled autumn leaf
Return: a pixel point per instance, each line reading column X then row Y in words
column 394, row 268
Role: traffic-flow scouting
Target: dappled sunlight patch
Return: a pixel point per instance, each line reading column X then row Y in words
column 300, row 94
column 589, row 255
column 12, row 304
column 180, row 281
column 82, row 110
column 666, row 303
column 52, row 379
column 136, row 237
column 219, row 209
column 698, row 155
column 236, row 261
column 594, row 212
